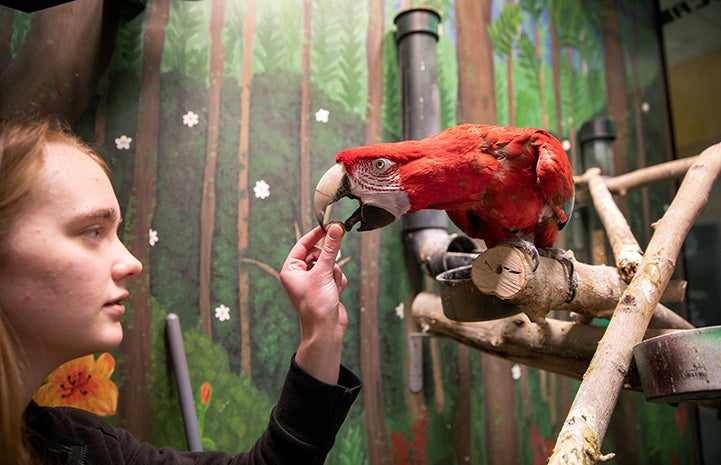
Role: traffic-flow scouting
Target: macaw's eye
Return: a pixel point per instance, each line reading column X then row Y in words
column 382, row 164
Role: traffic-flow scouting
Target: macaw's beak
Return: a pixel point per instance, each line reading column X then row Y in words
column 334, row 185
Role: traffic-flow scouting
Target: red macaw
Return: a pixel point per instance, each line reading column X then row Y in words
column 496, row 183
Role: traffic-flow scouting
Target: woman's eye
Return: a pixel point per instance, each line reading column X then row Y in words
column 93, row 233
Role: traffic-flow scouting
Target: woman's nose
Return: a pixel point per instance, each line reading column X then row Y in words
column 127, row 264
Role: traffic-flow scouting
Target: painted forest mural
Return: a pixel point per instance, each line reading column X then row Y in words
column 217, row 118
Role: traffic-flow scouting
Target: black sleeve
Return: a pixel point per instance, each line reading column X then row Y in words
column 308, row 416
column 301, row 429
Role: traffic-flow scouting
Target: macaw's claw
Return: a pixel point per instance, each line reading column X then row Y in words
column 526, row 247
column 568, row 260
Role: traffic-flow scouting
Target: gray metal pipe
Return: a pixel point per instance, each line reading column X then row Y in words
column 182, row 378
column 425, row 232
column 416, row 39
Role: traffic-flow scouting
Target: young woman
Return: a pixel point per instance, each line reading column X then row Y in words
column 63, row 281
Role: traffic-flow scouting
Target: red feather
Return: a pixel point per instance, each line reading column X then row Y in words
column 494, row 182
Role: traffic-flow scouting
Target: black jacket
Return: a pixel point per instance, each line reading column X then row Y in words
column 301, row 430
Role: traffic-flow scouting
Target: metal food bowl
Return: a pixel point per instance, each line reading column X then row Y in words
column 462, row 301
column 684, row 366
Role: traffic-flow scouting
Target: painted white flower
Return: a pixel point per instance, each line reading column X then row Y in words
column 152, row 237
column 400, row 308
column 566, row 144
column 322, row 115
column 190, row 119
column 645, row 107
column 222, row 313
column 123, row 142
column 261, row 189
column 516, row 371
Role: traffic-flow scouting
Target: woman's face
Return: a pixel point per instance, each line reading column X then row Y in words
column 63, row 276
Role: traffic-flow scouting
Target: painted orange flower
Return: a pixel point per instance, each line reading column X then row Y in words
column 205, row 391
column 82, row 383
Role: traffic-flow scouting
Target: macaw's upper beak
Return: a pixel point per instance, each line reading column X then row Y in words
column 333, row 186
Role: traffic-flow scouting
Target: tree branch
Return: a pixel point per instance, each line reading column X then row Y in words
column 584, row 429
column 562, row 347
column 641, row 177
column 625, row 247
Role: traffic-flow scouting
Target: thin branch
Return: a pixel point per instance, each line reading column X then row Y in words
column 263, row 266
column 641, row 177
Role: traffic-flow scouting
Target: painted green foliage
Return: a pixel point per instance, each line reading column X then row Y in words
column 243, row 408
column 338, row 81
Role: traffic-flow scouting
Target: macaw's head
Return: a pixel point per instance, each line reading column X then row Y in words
column 373, row 176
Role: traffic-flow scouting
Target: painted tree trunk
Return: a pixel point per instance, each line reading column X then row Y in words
column 509, row 76
column 476, row 81
column 101, row 110
column 64, row 81
column 207, row 207
column 556, row 69
column 243, row 197
column 379, row 449
column 305, row 126
column 615, row 66
column 639, row 144
column 541, row 74
column 134, row 395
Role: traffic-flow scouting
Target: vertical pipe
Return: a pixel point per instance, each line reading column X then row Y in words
column 426, row 231
column 416, row 38
column 182, row 378
column 595, row 137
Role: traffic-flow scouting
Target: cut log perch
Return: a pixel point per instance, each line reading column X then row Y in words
column 582, row 434
column 506, row 272
column 562, row 347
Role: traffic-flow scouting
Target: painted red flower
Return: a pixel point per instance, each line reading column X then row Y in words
column 401, row 448
column 542, row 448
column 82, row 383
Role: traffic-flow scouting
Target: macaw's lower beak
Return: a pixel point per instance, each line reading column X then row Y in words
column 335, row 185
column 370, row 218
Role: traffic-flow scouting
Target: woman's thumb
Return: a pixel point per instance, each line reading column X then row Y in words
column 332, row 242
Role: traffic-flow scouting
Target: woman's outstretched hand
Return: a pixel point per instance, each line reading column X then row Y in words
column 314, row 283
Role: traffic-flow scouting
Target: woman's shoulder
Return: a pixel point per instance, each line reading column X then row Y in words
column 65, row 421
column 60, row 434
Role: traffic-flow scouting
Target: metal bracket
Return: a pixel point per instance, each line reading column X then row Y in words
column 415, row 359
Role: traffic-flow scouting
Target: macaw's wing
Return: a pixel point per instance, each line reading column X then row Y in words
column 555, row 177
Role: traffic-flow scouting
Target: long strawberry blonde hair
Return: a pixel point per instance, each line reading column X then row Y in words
column 23, row 142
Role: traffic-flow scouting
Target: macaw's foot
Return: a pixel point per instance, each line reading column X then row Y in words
column 568, row 260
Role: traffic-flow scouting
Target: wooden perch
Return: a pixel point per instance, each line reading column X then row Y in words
column 639, row 178
column 626, row 249
column 581, row 436
column 562, row 347
column 506, row 272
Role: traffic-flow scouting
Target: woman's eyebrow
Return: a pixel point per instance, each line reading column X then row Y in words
column 106, row 214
